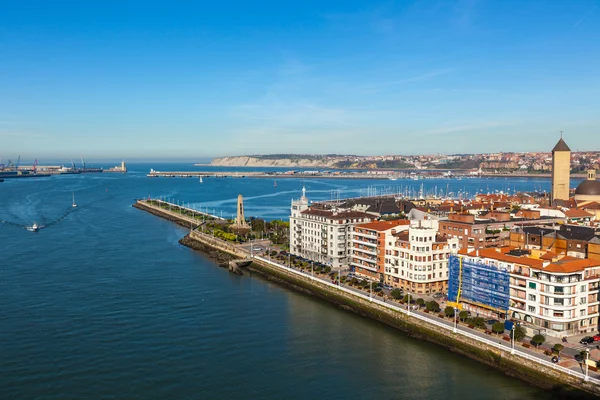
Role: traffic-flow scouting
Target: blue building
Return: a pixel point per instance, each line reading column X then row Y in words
column 479, row 285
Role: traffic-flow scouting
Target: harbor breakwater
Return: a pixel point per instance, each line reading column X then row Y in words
column 559, row 383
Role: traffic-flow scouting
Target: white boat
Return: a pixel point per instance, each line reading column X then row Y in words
column 33, row 228
column 200, row 180
column 274, row 183
column 74, row 205
column 392, row 178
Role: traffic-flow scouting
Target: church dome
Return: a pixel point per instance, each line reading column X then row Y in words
column 588, row 188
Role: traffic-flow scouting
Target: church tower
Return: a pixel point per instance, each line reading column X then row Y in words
column 561, row 171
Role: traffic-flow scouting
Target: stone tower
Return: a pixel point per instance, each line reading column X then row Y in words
column 240, row 220
column 561, row 171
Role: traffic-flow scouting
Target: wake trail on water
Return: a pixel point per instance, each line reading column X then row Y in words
column 54, row 221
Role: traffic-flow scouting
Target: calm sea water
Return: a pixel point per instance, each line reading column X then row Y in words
column 104, row 303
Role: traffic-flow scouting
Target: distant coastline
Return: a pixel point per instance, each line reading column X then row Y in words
column 363, row 163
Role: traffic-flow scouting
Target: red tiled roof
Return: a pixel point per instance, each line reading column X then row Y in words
column 575, row 213
column 381, row 226
column 568, row 265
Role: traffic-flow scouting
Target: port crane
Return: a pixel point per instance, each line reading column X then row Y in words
column 83, row 163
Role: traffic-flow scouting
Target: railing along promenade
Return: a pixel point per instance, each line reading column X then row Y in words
column 434, row 320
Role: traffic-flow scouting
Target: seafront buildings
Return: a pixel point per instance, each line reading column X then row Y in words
column 524, row 257
column 323, row 234
column 552, row 294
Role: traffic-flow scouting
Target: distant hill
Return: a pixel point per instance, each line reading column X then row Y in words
column 310, row 161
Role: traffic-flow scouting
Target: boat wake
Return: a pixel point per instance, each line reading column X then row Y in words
column 35, row 227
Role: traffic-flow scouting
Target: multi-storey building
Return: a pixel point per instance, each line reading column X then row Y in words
column 323, row 234
column 554, row 295
column 489, row 230
column 417, row 260
column 369, row 244
column 571, row 240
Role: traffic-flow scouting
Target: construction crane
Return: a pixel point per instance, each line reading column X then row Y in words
column 73, row 164
column 83, row 163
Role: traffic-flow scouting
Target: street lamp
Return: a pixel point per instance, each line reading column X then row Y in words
column 408, row 303
column 312, row 271
column 455, row 318
column 587, row 356
column 512, row 350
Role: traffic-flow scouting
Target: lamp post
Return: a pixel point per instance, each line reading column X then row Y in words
column 587, row 356
column 251, row 250
column 312, row 271
column 512, row 349
column 408, row 303
column 455, row 318
column 290, row 260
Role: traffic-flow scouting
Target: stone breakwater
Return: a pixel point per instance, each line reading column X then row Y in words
column 560, row 384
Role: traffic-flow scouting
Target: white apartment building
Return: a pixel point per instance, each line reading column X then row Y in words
column 417, row 260
column 323, row 234
column 554, row 295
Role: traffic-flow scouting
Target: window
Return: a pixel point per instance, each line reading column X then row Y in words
column 531, row 309
column 582, row 288
column 532, row 297
column 532, row 285
column 582, row 313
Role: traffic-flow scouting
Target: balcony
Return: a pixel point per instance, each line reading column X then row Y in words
column 367, row 259
column 365, row 266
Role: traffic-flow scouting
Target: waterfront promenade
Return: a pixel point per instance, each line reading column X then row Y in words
column 533, row 360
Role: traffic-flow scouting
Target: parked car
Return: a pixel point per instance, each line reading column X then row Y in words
column 587, row 340
column 258, row 249
column 438, row 295
column 596, row 338
column 491, row 321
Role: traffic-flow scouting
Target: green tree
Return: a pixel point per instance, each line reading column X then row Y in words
column 396, row 294
column 420, row 302
column 449, row 311
column 479, row 322
column 498, row 327
column 432, row 306
column 538, row 339
column 519, row 333
column 407, row 297
column 463, row 315
column 558, row 348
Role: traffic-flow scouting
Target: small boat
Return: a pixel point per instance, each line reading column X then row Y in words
column 33, row 228
column 200, row 179
column 74, row 205
column 392, row 178
column 274, row 183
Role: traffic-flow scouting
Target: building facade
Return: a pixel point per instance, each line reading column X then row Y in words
column 369, row 247
column 553, row 295
column 323, row 235
column 561, row 171
column 416, row 260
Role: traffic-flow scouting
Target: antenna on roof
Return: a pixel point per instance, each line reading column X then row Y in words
column 561, row 132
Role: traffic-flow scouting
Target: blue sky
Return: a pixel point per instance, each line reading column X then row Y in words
column 198, row 79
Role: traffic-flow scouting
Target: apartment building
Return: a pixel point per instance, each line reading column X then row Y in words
column 416, row 259
column 552, row 294
column 368, row 246
column 323, row 234
column 571, row 240
column 487, row 230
